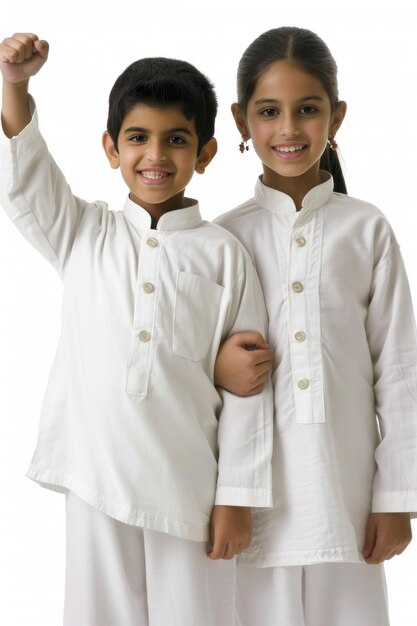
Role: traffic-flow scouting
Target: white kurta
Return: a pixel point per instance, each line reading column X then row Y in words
column 130, row 416
column 342, row 329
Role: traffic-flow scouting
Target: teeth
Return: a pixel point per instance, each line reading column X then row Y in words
column 290, row 148
column 154, row 175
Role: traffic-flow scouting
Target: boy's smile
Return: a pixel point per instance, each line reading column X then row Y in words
column 157, row 156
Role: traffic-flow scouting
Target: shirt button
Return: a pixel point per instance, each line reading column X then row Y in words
column 297, row 287
column 153, row 242
column 300, row 241
column 303, row 383
column 148, row 287
column 144, row 335
column 300, row 335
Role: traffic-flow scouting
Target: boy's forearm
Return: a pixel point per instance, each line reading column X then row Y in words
column 15, row 114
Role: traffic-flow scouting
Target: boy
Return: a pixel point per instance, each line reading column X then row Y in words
column 129, row 428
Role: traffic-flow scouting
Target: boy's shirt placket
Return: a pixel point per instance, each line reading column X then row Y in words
column 144, row 328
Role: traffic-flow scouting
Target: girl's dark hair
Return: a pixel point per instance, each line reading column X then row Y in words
column 163, row 82
column 306, row 50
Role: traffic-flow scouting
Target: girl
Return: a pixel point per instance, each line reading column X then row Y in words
column 343, row 335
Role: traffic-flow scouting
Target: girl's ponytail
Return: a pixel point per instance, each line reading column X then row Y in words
column 330, row 163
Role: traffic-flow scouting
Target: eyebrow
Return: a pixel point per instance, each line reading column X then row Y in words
column 275, row 101
column 139, row 129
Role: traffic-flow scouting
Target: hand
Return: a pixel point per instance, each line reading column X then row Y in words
column 230, row 531
column 387, row 534
column 243, row 364
column 21, row 57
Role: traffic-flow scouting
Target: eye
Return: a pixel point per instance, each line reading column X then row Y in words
column 269, row 112
column 308, row 109
column 138, row 138
column 176, row 140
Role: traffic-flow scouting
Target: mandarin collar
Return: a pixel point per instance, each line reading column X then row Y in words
column 277, row 201
column 178, row 219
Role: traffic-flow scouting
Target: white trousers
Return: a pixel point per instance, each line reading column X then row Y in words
column 339, row 594
column 121, row 575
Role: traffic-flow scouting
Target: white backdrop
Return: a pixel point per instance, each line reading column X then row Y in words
column 92, row 41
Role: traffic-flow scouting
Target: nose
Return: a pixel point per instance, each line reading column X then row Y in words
column 289, row 126
column 155, row 151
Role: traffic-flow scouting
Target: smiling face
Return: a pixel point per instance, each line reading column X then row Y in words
column 157, row 156
column 289, row 118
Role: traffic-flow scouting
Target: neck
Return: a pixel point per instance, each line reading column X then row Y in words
column 156, row 211
column 297, row 187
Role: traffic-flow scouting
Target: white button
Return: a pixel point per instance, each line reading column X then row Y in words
column 152, row 242
column 144, row 335
column 297, row 287
column 303, row 383
column 300, row 241
column 300, row 335
column 148, row 287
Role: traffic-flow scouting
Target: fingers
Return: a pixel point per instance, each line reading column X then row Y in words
column 241, row 366
column 42, row 48
column 258, row 364
column 221, row 550
column 370, row 538
column 384, row 551
column 386, row 536
column 249, row 338
column 225, row 550
column 18, row 48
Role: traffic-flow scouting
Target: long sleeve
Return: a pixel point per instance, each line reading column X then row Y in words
column 36, row 195
column 245, row 432
column 393, row 345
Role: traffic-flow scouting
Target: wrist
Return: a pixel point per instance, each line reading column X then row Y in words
column 15, row 107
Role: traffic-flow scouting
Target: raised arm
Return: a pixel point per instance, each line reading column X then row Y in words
column 33, row 190
column 21, row 57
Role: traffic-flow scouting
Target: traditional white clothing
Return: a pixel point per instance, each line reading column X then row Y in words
column 342, row 329
column 130, row 420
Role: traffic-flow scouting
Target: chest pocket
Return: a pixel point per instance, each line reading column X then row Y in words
column 197, row 303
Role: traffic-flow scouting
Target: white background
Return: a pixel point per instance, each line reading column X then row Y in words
column 92, row 41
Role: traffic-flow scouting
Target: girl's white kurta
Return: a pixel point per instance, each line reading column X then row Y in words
column 342, row 329
column 130, row 416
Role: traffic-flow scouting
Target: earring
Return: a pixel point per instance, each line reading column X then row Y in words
column 243, row 146
column 332, row 142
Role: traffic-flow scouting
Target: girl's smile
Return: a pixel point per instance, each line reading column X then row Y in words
column 290, row 151
column 289, row 118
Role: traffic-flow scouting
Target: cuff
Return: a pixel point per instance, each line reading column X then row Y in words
column 395, row 502
column 233, row 496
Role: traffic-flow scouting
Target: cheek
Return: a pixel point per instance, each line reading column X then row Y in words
column 127, row 161
column 319, row 129
column 261, row 133
column 185, row 165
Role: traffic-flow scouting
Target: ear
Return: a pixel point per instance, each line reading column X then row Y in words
column 110, row 150
column 338, row 116
column 208, row 152
column 240, row 121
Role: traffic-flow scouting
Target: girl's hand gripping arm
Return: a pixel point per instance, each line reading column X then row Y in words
column 243, row 364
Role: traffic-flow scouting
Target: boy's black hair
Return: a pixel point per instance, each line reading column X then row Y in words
column 162, row 82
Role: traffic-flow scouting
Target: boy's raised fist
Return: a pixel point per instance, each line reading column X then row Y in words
column 22, row 56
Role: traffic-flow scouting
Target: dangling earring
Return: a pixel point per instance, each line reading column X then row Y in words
column 243, row 146
column 332, row 142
